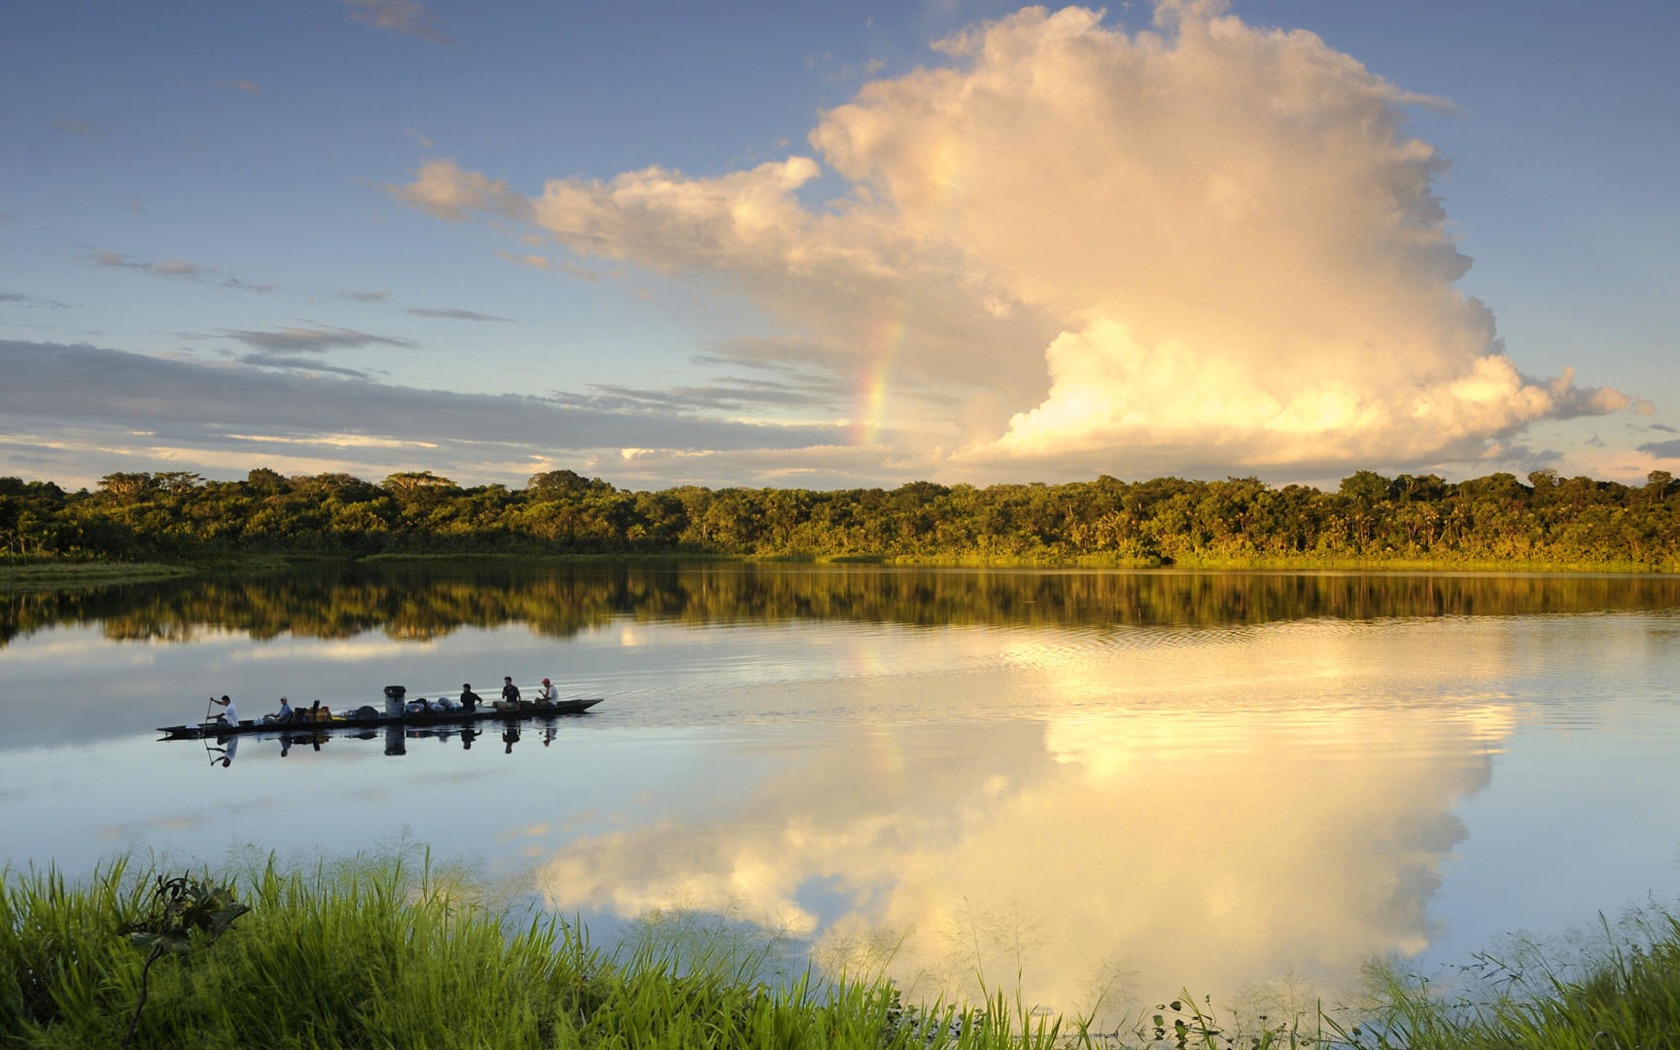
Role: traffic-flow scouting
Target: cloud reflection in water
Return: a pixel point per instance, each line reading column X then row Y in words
column 1134, row 826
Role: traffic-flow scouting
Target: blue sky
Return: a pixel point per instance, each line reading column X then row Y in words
column 838, row 244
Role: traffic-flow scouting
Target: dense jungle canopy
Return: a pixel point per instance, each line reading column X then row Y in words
column 1498, row 520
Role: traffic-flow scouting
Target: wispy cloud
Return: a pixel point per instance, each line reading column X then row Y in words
column 312, row 340
column 281, row 362
column 19, row 299
column 729, row 395
column 399, row 16
column 178, row 269
column 564, row 266
column 456, row 315
column 243, row 87
column 535, row 262
column 1662, row 449
column 367, row 297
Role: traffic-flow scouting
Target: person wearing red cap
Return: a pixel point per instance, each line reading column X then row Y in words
column 548, row 694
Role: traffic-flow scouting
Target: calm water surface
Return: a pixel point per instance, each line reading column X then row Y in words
column 1146, row 782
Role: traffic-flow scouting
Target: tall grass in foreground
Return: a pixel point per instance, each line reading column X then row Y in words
column 1623, row 996
column 392, row 953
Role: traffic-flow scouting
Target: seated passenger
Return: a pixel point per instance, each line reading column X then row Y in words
column 510, row 695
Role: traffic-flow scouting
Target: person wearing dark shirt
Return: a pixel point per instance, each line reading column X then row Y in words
column 510, row 692
column 469, row 699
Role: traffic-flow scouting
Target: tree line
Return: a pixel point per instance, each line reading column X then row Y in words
column 1548, row 521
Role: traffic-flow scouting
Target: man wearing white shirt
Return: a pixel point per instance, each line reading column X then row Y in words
column 228, row 714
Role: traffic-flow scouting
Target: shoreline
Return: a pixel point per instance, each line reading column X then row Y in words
column 61, row 574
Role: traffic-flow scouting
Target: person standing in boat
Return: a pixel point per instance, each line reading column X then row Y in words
column 469, row 699
column 548, row 694
column 227, row 714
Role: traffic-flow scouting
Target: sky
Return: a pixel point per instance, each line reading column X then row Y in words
column 834, row 245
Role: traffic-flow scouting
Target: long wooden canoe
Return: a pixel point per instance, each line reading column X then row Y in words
column 358, row 719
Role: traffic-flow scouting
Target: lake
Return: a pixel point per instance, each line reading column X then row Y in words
column 1065, row 783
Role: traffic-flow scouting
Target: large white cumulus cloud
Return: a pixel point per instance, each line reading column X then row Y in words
column 1115, row 247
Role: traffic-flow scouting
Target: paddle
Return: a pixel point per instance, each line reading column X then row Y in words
column 208, row 704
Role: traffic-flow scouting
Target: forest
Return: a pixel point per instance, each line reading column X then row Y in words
column 1369, row 520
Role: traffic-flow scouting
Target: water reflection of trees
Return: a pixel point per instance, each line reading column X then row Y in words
column 418, row 602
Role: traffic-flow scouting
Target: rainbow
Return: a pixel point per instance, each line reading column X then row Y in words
column 884, row 340
column 945, row 182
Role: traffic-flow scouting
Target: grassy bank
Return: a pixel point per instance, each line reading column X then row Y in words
column 388, row 953
column 69, row 575
column 58, row 574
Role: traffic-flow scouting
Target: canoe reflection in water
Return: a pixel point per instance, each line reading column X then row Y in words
column 399, row 722
column 315, row 740
column 224, row 748
column 369, row 718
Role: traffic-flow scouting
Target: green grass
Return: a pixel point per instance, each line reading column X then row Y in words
column 61, row 574
column 1623, row 994
column 546, row 555
column 69, row 575
column 391, row 952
